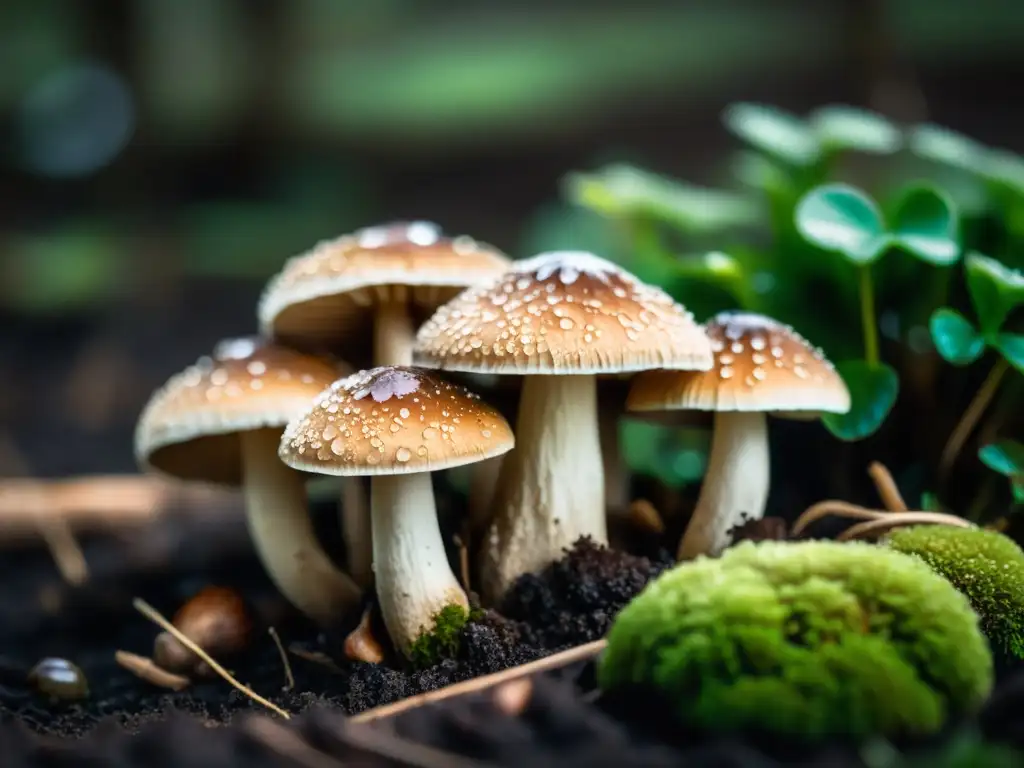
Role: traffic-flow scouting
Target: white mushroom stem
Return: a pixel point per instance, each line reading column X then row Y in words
column 483, row 482
column 414, row 580
column 551, row 489
column 616, row 476
column 279, row 524
column 735, row 486
column 393, row 334
column 355, row 520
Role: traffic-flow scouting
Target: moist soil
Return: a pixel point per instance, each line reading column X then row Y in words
column 565, row 721
column 572, row 602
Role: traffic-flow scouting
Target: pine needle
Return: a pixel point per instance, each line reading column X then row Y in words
column 153, row 615
column 288, row 676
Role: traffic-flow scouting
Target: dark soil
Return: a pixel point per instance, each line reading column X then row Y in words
column 571, row 603
column 561, row 725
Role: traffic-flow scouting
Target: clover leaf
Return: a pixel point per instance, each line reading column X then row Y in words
column 925, row 224
column 995, row 289
column 838, row 217
column 955, row 337
column 873, row 390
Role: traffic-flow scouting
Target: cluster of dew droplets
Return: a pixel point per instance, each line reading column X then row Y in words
column 376, row 416
column 549, row 293
column 732, row 333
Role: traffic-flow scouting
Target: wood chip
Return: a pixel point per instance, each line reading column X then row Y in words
column 145, row 669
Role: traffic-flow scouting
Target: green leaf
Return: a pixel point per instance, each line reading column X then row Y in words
column 941, row 145
column 1011, row 347
column 1003, row 456
column 873, row 391
column 925, row 224
column 838, row 217
column 956, row 339
column 849, row 128
column 774, row 132
column 625, row 192
column 995, row 290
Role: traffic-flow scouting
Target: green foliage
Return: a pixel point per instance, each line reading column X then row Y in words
column 986, row 566
column 810, row 640
column 873, row 391
column 841, row 218
column 966, row 750
column 1007, row 458
column 442, row 640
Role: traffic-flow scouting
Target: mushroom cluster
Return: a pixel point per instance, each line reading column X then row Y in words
column 266, row 412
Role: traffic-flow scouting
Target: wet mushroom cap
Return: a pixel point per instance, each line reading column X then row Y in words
column 190, row 427
column 760, row 365
column 320, row 298
column 563, row 313
column 394, row 420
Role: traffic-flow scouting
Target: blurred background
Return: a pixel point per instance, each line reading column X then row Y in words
column 161, row 158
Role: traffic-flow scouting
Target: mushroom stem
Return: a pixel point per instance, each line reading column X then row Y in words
column 393, row 334
column 355, row 520
column 616, row 477
column 275, row 501
column 483, row 481
column 735, row 485
column 414, row 580
column 551, row 489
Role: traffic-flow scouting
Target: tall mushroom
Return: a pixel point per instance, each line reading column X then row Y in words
column 398, row 425
column 220, row 421
column 560, row 319
column 361, row 296
column 760, row 366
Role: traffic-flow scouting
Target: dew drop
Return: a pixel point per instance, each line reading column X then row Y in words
column 403, row 455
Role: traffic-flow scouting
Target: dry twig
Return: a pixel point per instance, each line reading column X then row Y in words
column 288, row 676
column 555, row 660
column 892, row 520
column 886, row 486
column 153, row 615
column 816, row 512
column 145, row 669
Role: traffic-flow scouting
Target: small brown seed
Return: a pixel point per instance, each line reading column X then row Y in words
column 361, row 645
column 216, row 619
column 59, row 679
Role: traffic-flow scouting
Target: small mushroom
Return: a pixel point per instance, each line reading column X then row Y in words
column 398, row 425
column 560, row 319
column 59, row 679
column 220, row 422
column 361, row 296
column 760, row 366
column 216, row 620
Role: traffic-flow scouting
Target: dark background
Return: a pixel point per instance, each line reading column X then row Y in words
column 161, row 158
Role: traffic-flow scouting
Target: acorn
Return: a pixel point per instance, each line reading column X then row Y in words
column 59, row 679
column 216, row 619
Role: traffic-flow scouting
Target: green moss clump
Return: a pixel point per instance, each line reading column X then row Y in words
column 441, row 641
column 986, row 566
column 808, row 640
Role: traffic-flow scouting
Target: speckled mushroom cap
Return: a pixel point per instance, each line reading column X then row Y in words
column 394, row 420
column 189, row 428
column 760, row 365
column 563, row 312
column 321, row 298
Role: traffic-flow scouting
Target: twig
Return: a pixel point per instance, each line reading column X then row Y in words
column 970, row 417
column 287, row 744
column 102, row 502
column 886, row 486
column 153, row 615
column 146, row 669
column 314, row 657
column 47, row 522
column 562, row 659
column 898, row 520
column 391, row 747
column 288, row 676
column 832, row 507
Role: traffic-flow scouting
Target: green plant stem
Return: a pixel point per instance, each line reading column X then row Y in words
column 867, row 316
column 969, row 420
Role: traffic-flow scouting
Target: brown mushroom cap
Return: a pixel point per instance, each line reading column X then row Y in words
column 394, row 420
column 320, row 298
column 760, row 365
column 189, row 428
column 563, row 312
